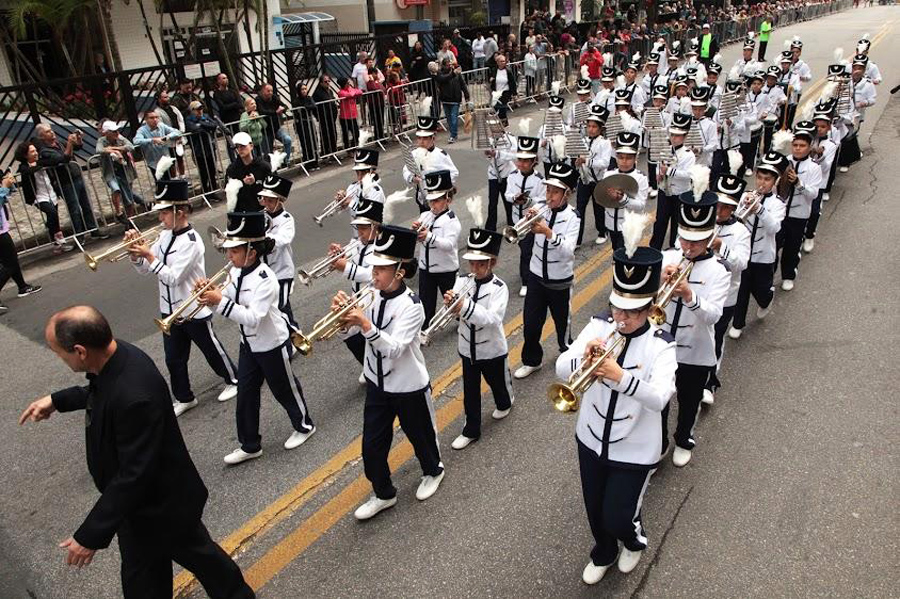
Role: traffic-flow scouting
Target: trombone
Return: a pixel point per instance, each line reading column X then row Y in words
column 332, row 323
column 335, row 206
column 446, row 313
column 218, row 280
column 515, row 233
column 566, row 397
column 326, row 264
column 119, row 252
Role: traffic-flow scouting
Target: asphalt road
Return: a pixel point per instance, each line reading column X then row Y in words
column 792, row 491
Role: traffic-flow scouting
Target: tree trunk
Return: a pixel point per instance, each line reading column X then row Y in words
column 107, row 30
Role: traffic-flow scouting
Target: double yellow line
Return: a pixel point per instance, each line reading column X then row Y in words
column 318, row 523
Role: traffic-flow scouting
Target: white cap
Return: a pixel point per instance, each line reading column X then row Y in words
column 108, row 126
column 241, row 138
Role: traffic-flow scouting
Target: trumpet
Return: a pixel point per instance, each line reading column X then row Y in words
column 217, row 281
column 425, row 223
column 446, row 313
column 331, row 324
column 326, row 264
column 665, row 293
column 335, row 206
column 515, row 233
column 119, row 252
column 566, row 397
column 750, row 203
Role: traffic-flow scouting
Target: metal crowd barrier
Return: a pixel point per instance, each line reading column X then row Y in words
column 316, row 137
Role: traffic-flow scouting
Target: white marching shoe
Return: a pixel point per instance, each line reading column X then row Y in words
column 500, row 414
column 229, row 392
column 181, row 407
column 709, row 397
column 239, row 455
column 593, row 574
column 748, row 172
column 298, row 438
column 523, row 370
column 763, row 312
column 844, row 169
column 362, row 378
column 429, row 485
column 681, row 456
column 461, row 442
column 653, row 193
column 787, row 285
column 523, row 291
column 808, row 245
column 628, row 560
column 826, row 196
column 373, row 507
column 601, row 240
column 735, row 333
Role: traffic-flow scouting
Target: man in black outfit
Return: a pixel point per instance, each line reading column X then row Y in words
column 229, row 105
column 152, row 496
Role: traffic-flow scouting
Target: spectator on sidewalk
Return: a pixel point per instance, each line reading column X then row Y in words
column 251, row 169
column 229, row 106
column 117, row 168
column 155, row 140
column 347, row 113
column 453, row 88
column 38, row 191
column 9, row 259
column 391, row 60
column 171, row 116
column 490, row 48
column 503, row 78
column 375, row 94
column 396, row 96
column 69, row 179
column 184, row 97
column 447, row 52
column 326, row 114
column 272, row 109
column 418, row 63
column 765, row 30
column 305, row 124
column 202, row 129
column 530, row 68
column 463, row 50
column 478, row 56
column 252, row 124
column 360, row 70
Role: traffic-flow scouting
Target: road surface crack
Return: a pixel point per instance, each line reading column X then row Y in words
column 662, row 542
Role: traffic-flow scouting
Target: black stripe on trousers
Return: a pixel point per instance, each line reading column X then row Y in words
column 496, row 373
column 177, row 349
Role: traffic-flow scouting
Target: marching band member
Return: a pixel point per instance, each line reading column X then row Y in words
column 695, row 308
column 708, row 130
column 250, row 170
column 680, row 101
column 652, row 78
column 864, row 95
column 627, row 147
column 673, row 69
column 731, row 246
column 799, row 66
column 835, row 132
column 500, row 165
column 365, row 162
column 438, row 233
column 776, row 100
column 552, row 268
column 274, row 192
column 437, row 159
column 251, row 300
column 549, row 153
column 397, row 381
column 731, row 131
column 591, row 169
column 764, row 225
column 873, row 73
column 659, row 99
column 754, row 108
column 606, row 97
column 356, row 267
column 824, row 152
column 482, row 341
column 617, row 432
column 177, row 258
column 677, row 178
column 805, row 178
column 713, row 70
column 638, row 96
column 789, row 80
column 583, row 93
column 624, row 107
column 746, row 65
column 524, row 188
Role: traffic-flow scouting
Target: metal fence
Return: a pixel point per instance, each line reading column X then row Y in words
column 313, row 132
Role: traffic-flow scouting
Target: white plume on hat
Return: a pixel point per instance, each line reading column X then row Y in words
column 700, row 79
column 585, row 73
column 276, row 159
column 364, row 136
column 367, row 183
column 635, row 57
column 699, row 179
column 163, row 166
column 658, row 45
column 426, row 106
column 829, row 90
column 390, row 203
column 495, row 97
column 734, row 73
column 607, row 59
column 734, row 161
column 628, row 121
column 838, row 54
column 865, row 35
column 787, row 44
column 860, row 48
column 524, row 125
column 559, row 145
column 475, row 206
column 685, row 104
column 676, row 45
column 782, row 140
column 620, row 81
column 231, row 193
column 717, row 58
column 602, row 96
column 554, row 88
column 695, row 41
column 633, row 225
column 807, row 112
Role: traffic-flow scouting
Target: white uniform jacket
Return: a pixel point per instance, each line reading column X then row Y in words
column 357, row 269
column 624, row 419
column 251, row 300
column 746, row 67
column 799, row 203
column 606, row 98
column 553, row 258
column 731, row 136
column 648, row 82
column 735, row 253
column 873, row 73
column 678, row 175
column 638, row 97
column 393, row 361
column 532, row 185
column 710, row 135
column 829, row 152
column 180, row 262
column 281, row 260
column 502, row 163
column 438, row 252
column 763, row 227
column 863, row 93
column 804, row 74
column 600, row 151
column 437, row 160
column 613, row 216
column 692, row 323
column 481, row 334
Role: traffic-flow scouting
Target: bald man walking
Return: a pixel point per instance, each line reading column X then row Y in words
column 151, row 494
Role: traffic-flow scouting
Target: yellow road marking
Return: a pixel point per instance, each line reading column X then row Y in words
column 290, row 547
column 307, row 488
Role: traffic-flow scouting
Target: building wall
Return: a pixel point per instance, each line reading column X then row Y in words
column 352, row 17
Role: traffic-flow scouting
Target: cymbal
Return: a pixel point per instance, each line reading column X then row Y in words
column 626, row 183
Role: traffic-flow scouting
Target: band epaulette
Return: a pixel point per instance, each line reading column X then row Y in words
column 451, row 214
column 415, row 298
column 604, row 315
column 263, row 274
column 498, row 283
column 725, row 264
column 664, row 335
column 192, row 237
